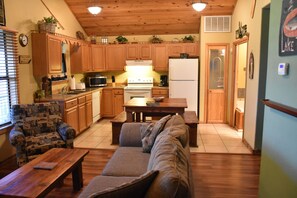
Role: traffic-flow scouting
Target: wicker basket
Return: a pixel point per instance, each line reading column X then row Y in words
column 47, row 27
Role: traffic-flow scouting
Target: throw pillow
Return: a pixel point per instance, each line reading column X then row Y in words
column 135, row 188
column 151, row 132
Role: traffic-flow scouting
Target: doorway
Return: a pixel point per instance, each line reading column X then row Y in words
column 238, row 86
column 216, row 83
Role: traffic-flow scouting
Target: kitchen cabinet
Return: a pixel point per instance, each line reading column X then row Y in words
column 82, row 122
column 112, row 102
column 89, row 110
column 118, row 101
column 46, row 54
column 80, row 57
column 71, row 113
column 174, row 50
column 107, row 103
column 160, row 57
column 98, row 57
column 138, row 52
column 160, row 92
column 115, row 57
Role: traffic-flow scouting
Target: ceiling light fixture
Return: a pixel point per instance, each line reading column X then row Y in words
column 94, row 10
column 199, row 6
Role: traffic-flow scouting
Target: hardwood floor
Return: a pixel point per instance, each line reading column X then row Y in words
column 215, row 175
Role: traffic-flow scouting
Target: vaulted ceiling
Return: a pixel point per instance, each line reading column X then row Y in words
column 145, row 17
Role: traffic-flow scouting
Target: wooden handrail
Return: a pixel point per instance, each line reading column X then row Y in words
column 280, row 107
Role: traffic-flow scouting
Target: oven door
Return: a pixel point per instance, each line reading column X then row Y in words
column 136, row 93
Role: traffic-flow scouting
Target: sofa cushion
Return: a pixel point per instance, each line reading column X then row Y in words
column 180, row 132
column 127, row 161
column 170, row 158
column 42, row 142
column 174, row 121
column 150, row 133
column 135, row 188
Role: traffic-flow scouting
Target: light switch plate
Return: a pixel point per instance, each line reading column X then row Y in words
column 283, row 69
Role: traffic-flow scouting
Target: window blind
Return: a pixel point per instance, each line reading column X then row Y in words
column 8, row 73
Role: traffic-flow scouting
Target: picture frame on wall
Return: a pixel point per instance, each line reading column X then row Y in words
column 2, row 13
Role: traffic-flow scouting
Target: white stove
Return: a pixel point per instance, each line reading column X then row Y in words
column 138, row 87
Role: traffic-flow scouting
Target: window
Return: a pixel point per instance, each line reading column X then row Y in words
column 8, row 73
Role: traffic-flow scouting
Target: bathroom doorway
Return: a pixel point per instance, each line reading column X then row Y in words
column 216, row 83
column 238, row 87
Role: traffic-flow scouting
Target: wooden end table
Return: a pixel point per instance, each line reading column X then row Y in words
column 29, row 182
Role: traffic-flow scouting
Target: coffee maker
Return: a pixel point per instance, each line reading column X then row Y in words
column 163, row 81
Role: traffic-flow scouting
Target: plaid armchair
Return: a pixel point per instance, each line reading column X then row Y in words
column 38, row 128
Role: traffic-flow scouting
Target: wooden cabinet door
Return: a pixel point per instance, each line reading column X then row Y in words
column 174, row 50
column 160, row 57
column 98, row 57
column 82, row 123
column 71, row 118
column 86, row 60
column 54, row 55
column 76, row 58
column 89, row 110
column 132, row 52
column 145, row 52
column 89, row 113
column 191, row 49
column 107, row 103
column 115, row 57
column 118, row 101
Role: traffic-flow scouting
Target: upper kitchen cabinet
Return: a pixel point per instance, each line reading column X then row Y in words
column 138, row 52
column 46, row 54
column 174, row 50
column 98, row 57
column 160, row 57
column 80, row 57
column 115, row 57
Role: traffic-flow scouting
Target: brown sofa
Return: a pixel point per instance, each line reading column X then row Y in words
column 164, row 172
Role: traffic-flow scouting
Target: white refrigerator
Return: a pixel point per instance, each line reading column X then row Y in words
column 183, row 81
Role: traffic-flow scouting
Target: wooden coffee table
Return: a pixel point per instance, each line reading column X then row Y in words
column 29, row 182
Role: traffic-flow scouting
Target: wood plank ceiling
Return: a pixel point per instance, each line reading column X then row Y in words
column 145, row 17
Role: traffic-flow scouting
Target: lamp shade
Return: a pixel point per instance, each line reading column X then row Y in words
column 94, row 10
column 199, row 6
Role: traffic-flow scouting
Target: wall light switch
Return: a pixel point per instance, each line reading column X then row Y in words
column 283, row 69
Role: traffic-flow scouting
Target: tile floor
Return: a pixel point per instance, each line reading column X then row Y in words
column 212, row 138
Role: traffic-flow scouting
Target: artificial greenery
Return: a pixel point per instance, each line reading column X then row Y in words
column 189, row 38
column 156, row 39
column 122, row 39
column 50, row 19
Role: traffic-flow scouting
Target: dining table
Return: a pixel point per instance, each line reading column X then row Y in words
column 137, row 109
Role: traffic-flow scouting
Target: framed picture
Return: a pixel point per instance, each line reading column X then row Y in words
column 2, row 13
column 251, row 66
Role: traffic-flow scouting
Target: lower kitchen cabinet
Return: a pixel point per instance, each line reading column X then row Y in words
column 71, row 114
column 82, row 121
column 118, row 101
column 107, row 103
column 160, row 92
column 89, row 110
column 112, row 102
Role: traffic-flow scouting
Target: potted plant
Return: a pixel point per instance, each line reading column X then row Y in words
column 122, row 40
column 156, row 39
column 47, row 24
column 188, row 39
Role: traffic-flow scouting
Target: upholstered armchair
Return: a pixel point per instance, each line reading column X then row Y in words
column 37, row 128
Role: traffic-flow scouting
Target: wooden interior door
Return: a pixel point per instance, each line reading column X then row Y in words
column 216, row 84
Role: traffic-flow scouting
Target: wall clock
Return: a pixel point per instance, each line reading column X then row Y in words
column 23, row 40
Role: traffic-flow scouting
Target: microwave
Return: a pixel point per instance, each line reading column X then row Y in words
column 97, row 81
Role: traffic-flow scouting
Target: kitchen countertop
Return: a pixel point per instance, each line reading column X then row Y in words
column 65, row 97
